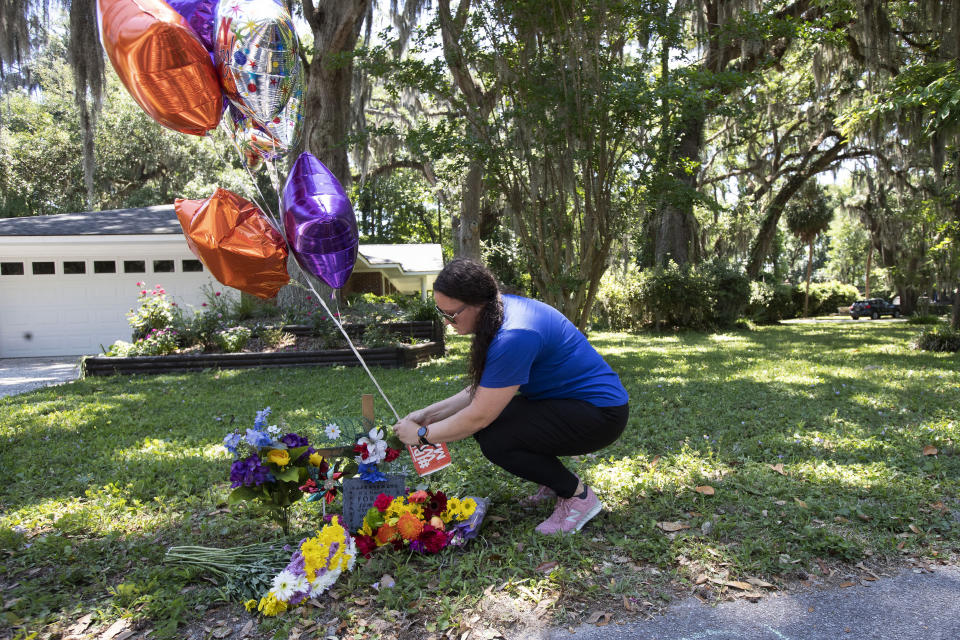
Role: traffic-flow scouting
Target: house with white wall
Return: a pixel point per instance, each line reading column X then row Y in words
column 67, row 281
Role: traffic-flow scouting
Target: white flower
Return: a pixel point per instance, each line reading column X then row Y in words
column 351, row 553
column 323, row 582
column 284, row 585
column 376, row 447
column 332, row 431
column 273, row 429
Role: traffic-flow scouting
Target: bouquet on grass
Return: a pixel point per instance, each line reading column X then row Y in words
column 313, row 569
column 273, row 470
column 366, row 441
column 422, row 521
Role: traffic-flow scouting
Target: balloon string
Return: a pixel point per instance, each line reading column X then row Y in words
column 336, row 321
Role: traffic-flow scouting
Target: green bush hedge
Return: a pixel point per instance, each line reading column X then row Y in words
column 705, row 296
column 938, row 338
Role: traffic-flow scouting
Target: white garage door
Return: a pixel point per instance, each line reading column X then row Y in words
column 53, row 305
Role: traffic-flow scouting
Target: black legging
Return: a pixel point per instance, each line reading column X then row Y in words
column 528, row 435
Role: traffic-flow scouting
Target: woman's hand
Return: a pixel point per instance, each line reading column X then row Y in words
column 419, row 416
column 407, row 429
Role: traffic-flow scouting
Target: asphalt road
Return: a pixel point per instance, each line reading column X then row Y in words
column 910, row 606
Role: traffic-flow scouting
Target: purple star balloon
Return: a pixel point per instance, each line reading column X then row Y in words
column 319, row 222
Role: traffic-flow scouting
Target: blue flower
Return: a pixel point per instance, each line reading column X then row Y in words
column 370, row 473
column 232, row 441
column 258, row 438
column 261, row 421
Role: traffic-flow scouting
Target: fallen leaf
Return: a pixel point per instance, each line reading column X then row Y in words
column 736, row 584
column 844, row 585
column 929, row 450
column 778, row 468
column 496, row 518
column 81, row 624
column 599, row 618
column 115, row 629
column 757, row 582
column 670, row 527
column 900, row 546
column 629, row 606
column 222, row 632
column 800, row 503
column 705, row 490
column 547, row 566
column 809, row 609
column 700, row 579
column 938, row 505
column 247, row 628
column 387, row 581
column 654, row 462
column 780, row 502
column 863, row 517
column 915, row 529
column 841, row 519
column 123, row 636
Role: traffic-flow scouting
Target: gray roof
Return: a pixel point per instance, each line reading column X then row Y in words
column 162, row 220
column 118, row 222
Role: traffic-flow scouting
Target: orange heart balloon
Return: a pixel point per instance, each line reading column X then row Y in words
column 236, row 242
column 162, row 63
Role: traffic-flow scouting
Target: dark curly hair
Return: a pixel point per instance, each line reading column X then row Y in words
column 474, row 284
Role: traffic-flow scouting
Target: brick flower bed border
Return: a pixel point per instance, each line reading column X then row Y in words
column 388, row 357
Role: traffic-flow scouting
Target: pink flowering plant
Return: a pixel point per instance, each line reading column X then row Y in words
column 271, row 469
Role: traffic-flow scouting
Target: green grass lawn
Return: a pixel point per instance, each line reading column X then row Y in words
column 99, row 477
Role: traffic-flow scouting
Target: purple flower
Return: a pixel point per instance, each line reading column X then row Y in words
column 297, row 564
column 416, row 545
column 248, row 472
column 293, row 441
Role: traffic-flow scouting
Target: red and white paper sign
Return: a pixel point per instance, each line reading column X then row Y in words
column 428, row 458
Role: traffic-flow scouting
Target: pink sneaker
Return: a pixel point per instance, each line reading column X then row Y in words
column 571, row 514
column 543, row 493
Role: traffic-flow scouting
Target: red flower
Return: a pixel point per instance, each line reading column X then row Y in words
column 432, row 539
column 361, row 450
column 365, row 544
column 418, row 496
column 382, row 502
column 309, row 486
column 436, row 505
column 392, row 454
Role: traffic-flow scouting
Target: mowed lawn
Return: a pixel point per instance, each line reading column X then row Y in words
column 810, row 437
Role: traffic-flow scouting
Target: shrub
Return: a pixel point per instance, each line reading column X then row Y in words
column 771, row 302
column 378, row 336
column 275, row 337
column 422, row 310
column 676, row 296
column 159, row 342
column 732, row 293
column 613, row 309
column 233, row 339
column 928, row 319
column 938, row 338
column 825, row 297
column 156, row 311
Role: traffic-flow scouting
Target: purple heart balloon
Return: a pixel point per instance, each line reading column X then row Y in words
column 200, row 15
column 319, row 222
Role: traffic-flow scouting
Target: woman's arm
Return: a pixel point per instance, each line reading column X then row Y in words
column 486, row 405
column 442, row 409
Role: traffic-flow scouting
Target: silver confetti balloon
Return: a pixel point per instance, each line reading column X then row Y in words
column 257, row 56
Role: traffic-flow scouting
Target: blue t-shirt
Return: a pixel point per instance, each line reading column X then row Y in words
column 543, row 352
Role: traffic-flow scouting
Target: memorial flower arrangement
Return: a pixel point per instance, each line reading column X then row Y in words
column 272, row 469
column 365, row 441
column 422, row 521
column 314, row 567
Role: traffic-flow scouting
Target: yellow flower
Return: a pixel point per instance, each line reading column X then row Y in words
column 396, row 507
column 316, row 459
column 316, row 550
column 279, row 457
column 452, row 511
column 467, row 507
column 270, row 606
column 250, row 605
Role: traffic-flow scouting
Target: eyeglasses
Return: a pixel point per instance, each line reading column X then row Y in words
column 451, row 317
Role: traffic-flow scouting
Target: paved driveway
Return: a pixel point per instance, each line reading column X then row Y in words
column 18, row 375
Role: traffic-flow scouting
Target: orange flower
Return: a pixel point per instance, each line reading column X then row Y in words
column 385, row 534
column 418, row 496
column 409, row 526
column 437, row 521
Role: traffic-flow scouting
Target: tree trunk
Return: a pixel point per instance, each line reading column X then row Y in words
column 955, row 316
column 869, row 260
column 806, row 294
column 768, row 228
column 676, row 233
column 329, row 77
column 467, row 233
